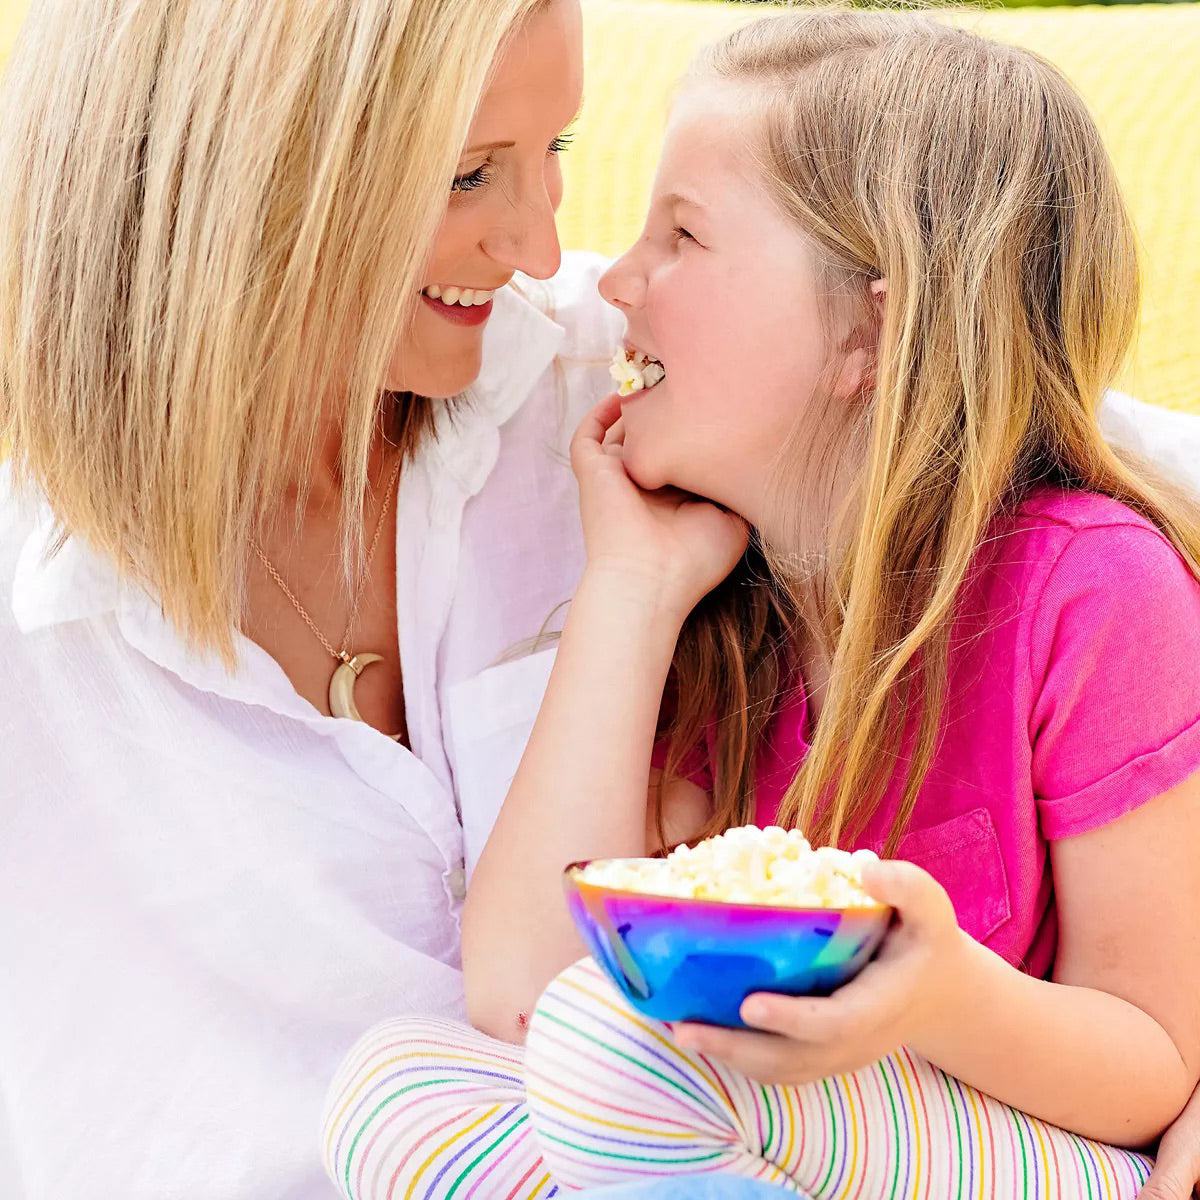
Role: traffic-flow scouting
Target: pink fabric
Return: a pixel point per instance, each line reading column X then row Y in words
column 1074, row 697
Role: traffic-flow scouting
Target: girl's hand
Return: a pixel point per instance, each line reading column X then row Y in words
column 899, row 995
column 681, row 545
column 1177, row 1169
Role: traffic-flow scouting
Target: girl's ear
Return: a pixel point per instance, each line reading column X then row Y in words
column 856, row 377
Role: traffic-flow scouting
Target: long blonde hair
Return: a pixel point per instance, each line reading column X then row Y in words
column 214, row 215
column 970, row 177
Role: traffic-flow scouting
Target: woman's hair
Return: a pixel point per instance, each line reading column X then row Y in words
column 970, row 177
column 214, row 215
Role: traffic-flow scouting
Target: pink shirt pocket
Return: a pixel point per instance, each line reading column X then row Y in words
column 963, row 855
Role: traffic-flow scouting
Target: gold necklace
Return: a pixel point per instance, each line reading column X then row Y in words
column 350, row 666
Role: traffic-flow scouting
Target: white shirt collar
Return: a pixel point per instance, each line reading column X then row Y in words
column 73, row 583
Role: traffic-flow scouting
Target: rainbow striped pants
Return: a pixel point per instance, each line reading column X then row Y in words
column 426, row 1108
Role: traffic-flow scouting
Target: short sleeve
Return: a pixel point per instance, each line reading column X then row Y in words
column 1115, row 662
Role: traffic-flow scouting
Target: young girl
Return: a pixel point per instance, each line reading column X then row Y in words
column 922, row 609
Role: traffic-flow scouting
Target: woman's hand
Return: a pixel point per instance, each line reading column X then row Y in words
column 682, row 545
column 892, row 1002
column 1177, row 1168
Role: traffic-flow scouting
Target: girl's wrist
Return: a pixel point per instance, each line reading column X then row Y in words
column 968, row 976
column 642, row 588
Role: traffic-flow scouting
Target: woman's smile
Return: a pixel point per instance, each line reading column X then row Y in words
column 460, row 306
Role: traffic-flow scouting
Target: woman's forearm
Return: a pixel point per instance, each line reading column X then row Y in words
column 580, row 792
column 1074, row 1056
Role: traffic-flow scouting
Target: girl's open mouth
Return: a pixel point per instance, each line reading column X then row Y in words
column 635, row 371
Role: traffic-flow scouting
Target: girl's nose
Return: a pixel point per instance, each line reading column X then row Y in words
column 623, row 285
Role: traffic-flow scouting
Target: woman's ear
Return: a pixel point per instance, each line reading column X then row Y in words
column 879, row 289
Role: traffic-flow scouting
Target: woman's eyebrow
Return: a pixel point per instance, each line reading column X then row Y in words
column 510, row 145
column 489, row 146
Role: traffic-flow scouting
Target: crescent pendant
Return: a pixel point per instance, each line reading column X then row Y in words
column 341, row 687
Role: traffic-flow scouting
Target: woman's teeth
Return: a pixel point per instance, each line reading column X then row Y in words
column 464, row 297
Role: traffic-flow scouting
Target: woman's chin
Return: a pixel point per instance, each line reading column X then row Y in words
column 438, row 380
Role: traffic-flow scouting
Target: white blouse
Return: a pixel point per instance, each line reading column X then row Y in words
column 208, row 890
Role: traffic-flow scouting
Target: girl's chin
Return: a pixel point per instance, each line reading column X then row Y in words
column 649, row 476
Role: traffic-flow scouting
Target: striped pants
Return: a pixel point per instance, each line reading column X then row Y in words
column 426, row 1108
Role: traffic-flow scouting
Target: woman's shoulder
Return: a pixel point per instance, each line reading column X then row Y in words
column 19, row 517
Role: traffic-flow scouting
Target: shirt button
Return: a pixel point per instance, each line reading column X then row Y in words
column 456, row 880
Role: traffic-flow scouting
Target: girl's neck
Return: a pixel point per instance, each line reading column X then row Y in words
column 815, row 669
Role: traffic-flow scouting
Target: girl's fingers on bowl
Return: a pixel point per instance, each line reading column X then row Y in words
column 839, row 1028
column 915, row 896
column 764, row 1057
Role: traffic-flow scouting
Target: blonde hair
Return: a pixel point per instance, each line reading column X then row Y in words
column 214, row 215
column 970, row 177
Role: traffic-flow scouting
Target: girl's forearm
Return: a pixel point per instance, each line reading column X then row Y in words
column 580, row 792
column 1077, row 1057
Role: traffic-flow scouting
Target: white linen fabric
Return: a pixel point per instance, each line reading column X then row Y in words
column 208, row 890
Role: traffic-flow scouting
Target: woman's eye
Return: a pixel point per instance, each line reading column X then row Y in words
column 562, row 143
column 681, row 235
column 472, row 180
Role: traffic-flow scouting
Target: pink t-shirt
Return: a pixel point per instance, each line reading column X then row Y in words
column 1073, row 698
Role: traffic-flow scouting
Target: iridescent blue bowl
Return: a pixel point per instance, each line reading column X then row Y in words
column 679, row 959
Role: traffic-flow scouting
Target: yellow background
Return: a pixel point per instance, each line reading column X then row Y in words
column 1138, row 66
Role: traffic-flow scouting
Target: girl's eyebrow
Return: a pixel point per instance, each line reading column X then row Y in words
column 676, row 199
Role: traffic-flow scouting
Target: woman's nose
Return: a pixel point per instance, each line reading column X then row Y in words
column 528, row 241
column 623, row 285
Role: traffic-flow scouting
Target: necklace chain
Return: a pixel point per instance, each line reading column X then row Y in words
column 343, row 654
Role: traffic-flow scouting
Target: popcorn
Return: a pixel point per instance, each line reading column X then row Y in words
column 747, row 865
column 634, row 371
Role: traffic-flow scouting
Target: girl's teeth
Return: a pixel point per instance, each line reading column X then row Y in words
column 451, row 295
column 434, row 292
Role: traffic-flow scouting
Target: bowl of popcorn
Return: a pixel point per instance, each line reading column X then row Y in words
column 688, row 937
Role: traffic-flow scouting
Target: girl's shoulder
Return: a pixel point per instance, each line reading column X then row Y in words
column 1088, row 630
column 1063, row 543
column 1061, row 512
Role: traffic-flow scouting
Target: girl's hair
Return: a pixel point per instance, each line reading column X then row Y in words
column 214, row 215
column 970, row 177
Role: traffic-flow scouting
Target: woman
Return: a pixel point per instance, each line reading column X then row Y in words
column 216, row 222
column 226, row 372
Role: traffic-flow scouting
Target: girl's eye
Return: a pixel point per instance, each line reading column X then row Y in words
column 472, row 180
column 562, row 143
column 681, row 235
